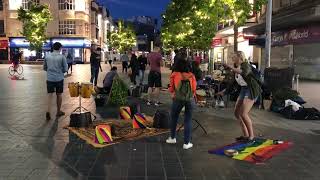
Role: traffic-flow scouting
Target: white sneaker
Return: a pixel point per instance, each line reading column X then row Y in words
column 187, row 146
column 221, row 104
column 171, row 141
column 149, row 103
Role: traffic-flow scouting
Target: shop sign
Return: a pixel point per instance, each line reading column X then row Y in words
column 72, row 42
column 296, row 36
column 216, row 42
column 24, row 43
column 3, row 44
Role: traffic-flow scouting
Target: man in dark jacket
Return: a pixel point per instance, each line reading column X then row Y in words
column 143, row 63
column 134, row 65
column 95, row 62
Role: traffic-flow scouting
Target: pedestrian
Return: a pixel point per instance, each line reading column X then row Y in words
column 182, row 88
column 250, row 91
column 95, row 62
column 110, row 61
column 124, row 60
column 56, row 65
column 69, row 61
column 154, row 79
column 134, row 65
column 143, row 63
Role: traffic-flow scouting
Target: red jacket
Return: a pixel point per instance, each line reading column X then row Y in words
column 176, row 78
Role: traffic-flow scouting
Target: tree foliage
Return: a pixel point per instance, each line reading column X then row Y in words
column 124, row 38
column 193, row 23
column 35, row 21
column 190, row 23
column 239, row 11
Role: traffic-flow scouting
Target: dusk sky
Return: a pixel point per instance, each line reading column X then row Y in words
column 128, row 8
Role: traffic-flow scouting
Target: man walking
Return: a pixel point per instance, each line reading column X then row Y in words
column 95, row 62
column 143, row 63
column 154, row 78
column 125, row 60
column 56, row 65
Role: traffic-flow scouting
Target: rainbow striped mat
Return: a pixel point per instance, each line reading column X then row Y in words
column 257, row 152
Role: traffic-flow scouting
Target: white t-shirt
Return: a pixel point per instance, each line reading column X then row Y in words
column 240, row 80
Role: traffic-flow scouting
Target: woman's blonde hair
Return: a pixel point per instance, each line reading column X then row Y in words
column 241, row 55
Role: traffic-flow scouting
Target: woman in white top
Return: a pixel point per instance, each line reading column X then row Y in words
column 250, row 91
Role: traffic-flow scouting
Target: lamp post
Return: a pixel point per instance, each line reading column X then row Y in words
column 268, row 34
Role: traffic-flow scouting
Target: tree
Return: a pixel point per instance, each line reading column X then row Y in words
column 238, row 11
column 35, row 21
column 123, row 39
column 190, row 23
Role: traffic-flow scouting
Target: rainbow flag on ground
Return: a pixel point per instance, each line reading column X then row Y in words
column 257, row 152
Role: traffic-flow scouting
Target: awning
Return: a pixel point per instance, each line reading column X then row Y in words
column 290, row 20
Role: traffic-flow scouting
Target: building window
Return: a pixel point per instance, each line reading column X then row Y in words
column 2, row 27
column 1, row 5
column 66, row 5
column 86, row 28
column 26, row 4
column 67, row 27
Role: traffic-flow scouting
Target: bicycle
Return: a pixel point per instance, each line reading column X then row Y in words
column 15, row 69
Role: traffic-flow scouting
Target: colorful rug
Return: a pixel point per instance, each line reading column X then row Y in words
column 122, row 131
column 257, row 152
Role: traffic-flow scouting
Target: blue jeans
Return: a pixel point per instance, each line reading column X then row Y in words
column 141, row 76
column 175, row 111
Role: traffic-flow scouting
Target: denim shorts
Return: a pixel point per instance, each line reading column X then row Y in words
column 245, row 93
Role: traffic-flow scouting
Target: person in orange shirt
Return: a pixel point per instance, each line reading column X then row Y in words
column 182, row 88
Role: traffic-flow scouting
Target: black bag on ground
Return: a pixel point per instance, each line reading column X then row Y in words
column 288, row 112
column 80, row 119
column 161, row 119
column 145, row 88
column 307, row 114
column 136, row 92
column 100, row 100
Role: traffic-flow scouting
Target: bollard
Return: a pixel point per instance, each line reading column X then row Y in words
column 297, row 81
column 293, row 82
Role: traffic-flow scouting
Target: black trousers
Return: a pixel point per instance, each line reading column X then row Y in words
column 94, row 75
column 125, row 66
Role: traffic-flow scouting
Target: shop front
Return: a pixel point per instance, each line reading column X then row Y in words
column 17, row 44
column 4, row 50
column 298, row 48
column 79, row 48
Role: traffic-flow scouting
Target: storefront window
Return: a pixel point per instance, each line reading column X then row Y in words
column 66, row 5
column 1, row 5
column 67, row 27
column 2, row 27
column 26, row 4
column 86, row 29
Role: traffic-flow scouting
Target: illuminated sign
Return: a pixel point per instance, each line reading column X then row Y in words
column 23, row 43
column 73, row 42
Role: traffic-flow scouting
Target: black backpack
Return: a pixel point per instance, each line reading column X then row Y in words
column 161, row 119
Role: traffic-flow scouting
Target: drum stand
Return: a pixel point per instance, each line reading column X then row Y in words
column 81, row 113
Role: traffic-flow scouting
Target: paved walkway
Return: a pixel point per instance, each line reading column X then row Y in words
column 34, row 149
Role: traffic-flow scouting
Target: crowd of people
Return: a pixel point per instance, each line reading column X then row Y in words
column 183, row 84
